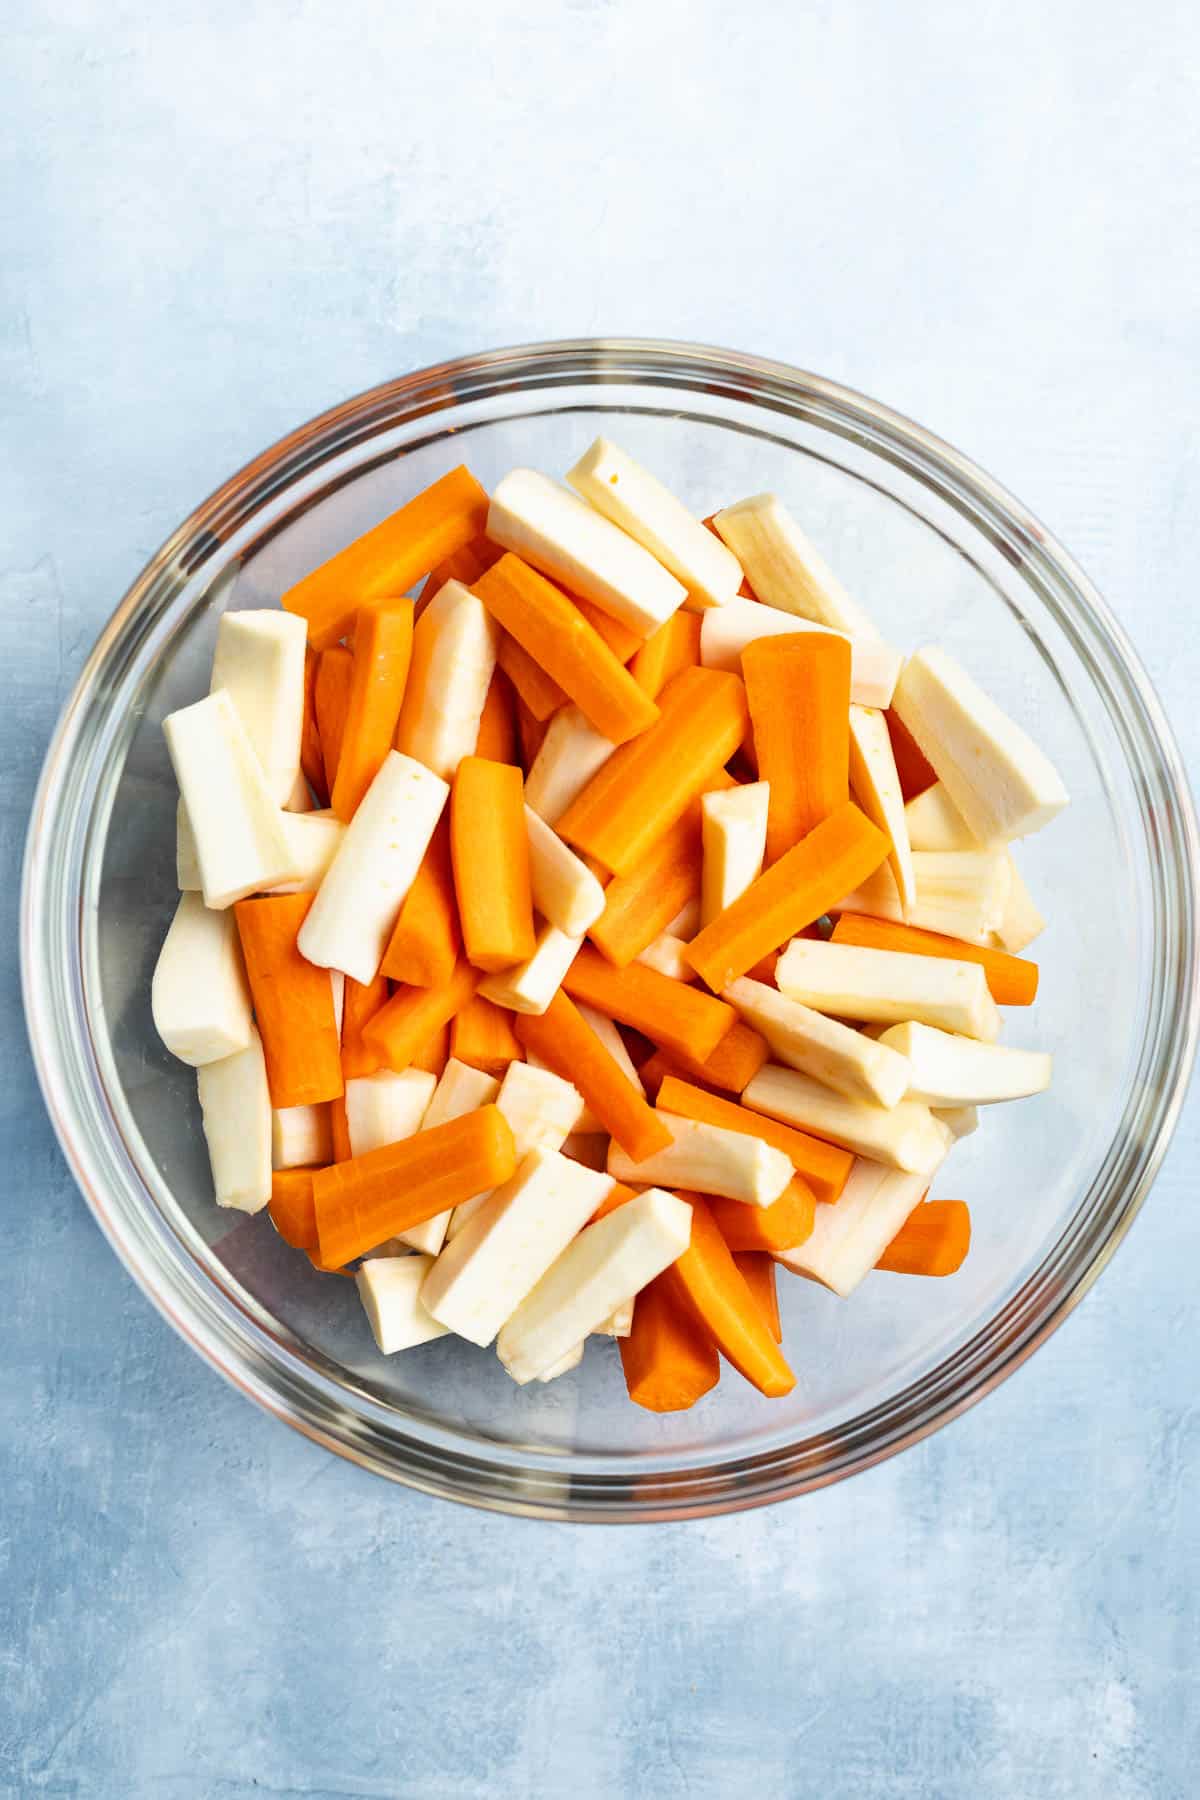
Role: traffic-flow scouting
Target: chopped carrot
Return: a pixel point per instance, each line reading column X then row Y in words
column 764, row 968
column 433, row 1056
column 648, row 783
column 481, row 1033
column 497, row 739
column 641, row 903
column 339, row 1130
column 362, row 1202
column 426, row 941
column 673, row 647
column 617, row 1195
column 915, row 772
column 530, row 733
column 401, row 1029
column 732, row 1066
column 707, row 1278
column 798, row 691
column 1013, row 980
column 562, row 1038
column 621, row 639
column 489, row 847
column 553, row 633
column 933, row 1240
column 385, row 562
column 291, row 1207
column 360, row 1005
column 669, row 1361
column 293, row 1002
column 535, row 688
column 783, row 1225
column 825, row 1167
column 812, row 876
column 757, row 1270
column 669, row 1012
column 465, row 565
column 331, row 699
column 311, row 759
column 379, row 670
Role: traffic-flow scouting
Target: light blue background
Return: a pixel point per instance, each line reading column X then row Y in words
column 218, row 219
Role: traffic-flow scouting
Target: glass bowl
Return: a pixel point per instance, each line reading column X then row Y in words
column 936, row 550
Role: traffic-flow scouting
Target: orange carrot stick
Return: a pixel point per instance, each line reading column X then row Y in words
column 481, row 1034
column 434, row 1055
column 359, row 1007
column 489, row 847
column 291, row 1207
column 648, row 783
column 825, row 1167
column 798, row 691
column 362, row 1202
column 669, row 1362
column 339, row 1130
column 933, row 1240
column 401, row 1029
column 1013, row 980
column 293, row 1002
column 758, row 1273
column 465, row 565
column 552, row 632
column 807, row 880
column 426, row 941
column 641, row 903
column 385, row 562
column 530, row 733
column 732, row 1066
column 535, row 688
column 497, row 738
column 379, row 670
column 331, row 699
column 562, row 1038
column 673, row 647
column 916, row 774
column 621, row 640
column 781, row 1226
column 669, row 1012
column 312, row 760
column 707, row 1278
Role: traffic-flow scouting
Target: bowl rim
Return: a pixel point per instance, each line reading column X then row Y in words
column 434, row 1461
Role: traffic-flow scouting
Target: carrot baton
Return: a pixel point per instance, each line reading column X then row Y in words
column 1013, row 980
column 497, row 739
column 647, row 784
column 732, row 1066
column 465, row 565
column 379, row 670
column 291, row 1207
column 362, row 1001
column 707, row 1278
column 568, row 1045
column 798, row 691
column 426, row 941
column 482, row 1034
column 668, row 1012
column 386, row 561
column 293, row 1002
column 933, row 1240
column 534, row 687
column 675, row 646
column 400, row 1030
column 361, row 1203
column 434, row 1054
column 331, row 700
column 622, row 640
column 780, row 1226
column 824, row 1167
column 670, row 1362
column 758, row 1273
column 639, row 905
column 806, row 881
column 489, row 846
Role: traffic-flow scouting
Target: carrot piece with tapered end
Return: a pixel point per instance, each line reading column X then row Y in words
column 401, row 1029
column 482, row 1034
column 1013, row 980
column 339, row 1130
column 933, row 1240
column 293, row 1002
column 707, row 1278
column 758, row 1272
column 666, row 1011
column 434, row 1055
column 312, row 760
column 331, row 701
column 640, row 904
column 798, row 691
column 669, row 1361
column 648, row 783
column 732, row 1066
column 916, row 773
column 465, row 565
column 497, row 739
column 552, row 632
column 787, row 1222
column 530, row 734
column 359, row 1007
column 534, row 687
column 666, row 652
column 385, row 562
column 824, row 1167
column 806, row 881
column 426, row 941
column 291, row 1207
column 621, row 639
column 379, row 670
column 562, row 1038
column 489, row 848
column 362, row 1202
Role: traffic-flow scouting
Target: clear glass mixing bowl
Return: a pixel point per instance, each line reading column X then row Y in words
column 935, row 549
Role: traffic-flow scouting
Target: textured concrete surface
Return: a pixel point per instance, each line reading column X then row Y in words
column 219, row 219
